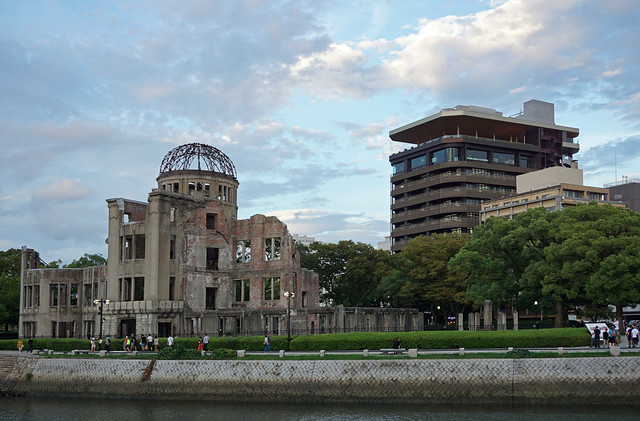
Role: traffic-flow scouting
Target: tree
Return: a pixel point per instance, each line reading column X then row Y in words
column 499, row 256
column 422, row 278
column 349, row 272
column 10, row 287
column 88, row 260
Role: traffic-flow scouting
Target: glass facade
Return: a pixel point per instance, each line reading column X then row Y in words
column 445, row 155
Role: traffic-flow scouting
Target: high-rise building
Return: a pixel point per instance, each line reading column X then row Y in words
column 464, row 155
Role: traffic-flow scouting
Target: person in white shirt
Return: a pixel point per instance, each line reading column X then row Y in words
column 170, row 341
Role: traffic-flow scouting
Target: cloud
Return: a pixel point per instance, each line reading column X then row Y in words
column 61, row 191
column 331, row 226
column 601, row 163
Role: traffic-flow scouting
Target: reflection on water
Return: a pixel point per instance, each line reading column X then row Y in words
column 21, row 408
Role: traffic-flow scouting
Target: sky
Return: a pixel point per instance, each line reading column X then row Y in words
column 301, row 95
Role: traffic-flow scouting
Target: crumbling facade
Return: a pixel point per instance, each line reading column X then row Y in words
column 183, row 264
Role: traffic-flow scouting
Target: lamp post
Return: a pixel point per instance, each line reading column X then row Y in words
column 289, row 295
column 101, row 302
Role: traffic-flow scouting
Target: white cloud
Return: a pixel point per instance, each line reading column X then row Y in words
column 61, row 191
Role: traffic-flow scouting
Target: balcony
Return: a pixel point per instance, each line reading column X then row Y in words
column 436, row 225
column 431, row 211
column 455, row 177
column 448, row 193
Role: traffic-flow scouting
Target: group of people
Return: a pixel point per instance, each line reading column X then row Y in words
column 148, row 343
column 29, row 344
column 203, row 343
column 608, row 335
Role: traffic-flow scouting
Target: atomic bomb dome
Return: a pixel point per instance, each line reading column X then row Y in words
column 200, row 157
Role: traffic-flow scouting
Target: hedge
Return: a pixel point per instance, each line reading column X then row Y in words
column 536, row 338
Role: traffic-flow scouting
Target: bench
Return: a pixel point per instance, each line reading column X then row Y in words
column 386, row 351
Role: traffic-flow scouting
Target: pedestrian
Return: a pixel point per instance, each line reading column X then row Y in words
column 30, row 343
column 596, row 337
column 396, row 343
column 149, row 342
column 170, row 341
column 605, row 337
column 134, row 343
column 143, row 343
column 107, row 343
column 93, row 344
column 613, row 338
column 156, row 343
column 205, row 342
column 100, row 343
column 628, row 334
column 20, row 345
column 200, row 343
column 634, row 336
column 267, row 342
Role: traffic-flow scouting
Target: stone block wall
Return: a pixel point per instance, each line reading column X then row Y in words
column 567, row 380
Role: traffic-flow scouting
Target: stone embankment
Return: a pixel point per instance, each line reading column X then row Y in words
column 567, row 380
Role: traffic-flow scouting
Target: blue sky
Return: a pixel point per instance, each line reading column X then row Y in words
column 300, row 95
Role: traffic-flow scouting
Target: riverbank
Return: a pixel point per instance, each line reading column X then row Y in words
column 532, row 380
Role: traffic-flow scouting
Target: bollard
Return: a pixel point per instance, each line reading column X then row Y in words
column 322, row 351
column 203, row 353
column 73, row 352
column 510, row 349
column 560, row 350
column 413, row 353
column 365, row 352
column 461, row 351
column 241, row 353
column 281, row 353
column 103, row 353
column 614, row 350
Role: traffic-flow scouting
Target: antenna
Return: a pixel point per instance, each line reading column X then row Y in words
column 615, row 167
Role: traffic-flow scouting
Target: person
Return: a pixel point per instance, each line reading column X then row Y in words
column 605, row 337
column 100, row 343
column 143, row 343
column 20, row 345
column 170, row 341
column 200, row 343
column 30, row 342
column 205, row 342
column 634, row 336
column 596, row 337
column 93, row 344
column 127, row 344
column 134, row 343
column 149, row 342
column 107, row 343
column 267, row 342
column 628, row 334
column 613, row 338
column 396, row 343
column 156, row 343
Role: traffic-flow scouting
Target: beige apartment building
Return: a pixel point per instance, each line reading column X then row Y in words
column 553, row 188
column 181, row 263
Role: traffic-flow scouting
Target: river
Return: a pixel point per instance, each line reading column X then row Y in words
column 54, row 409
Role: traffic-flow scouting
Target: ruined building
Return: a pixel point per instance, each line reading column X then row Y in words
column 183, row 264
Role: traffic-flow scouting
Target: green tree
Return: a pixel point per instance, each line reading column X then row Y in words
column 349, row 272
column 10, row 287
column 500, row 255
column 88, row 260
column 594, row 260
column 422, row 278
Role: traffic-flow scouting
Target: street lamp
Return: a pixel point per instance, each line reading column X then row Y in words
column 289, row 295
column 101, row 302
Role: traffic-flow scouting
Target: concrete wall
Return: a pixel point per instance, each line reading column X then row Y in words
column 566, row 380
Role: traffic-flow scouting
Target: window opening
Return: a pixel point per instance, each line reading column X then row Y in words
column 212, row 258
column 272, row 288
column 272, row 248
column 211, row 221
column 138, row 289
column 210, row 300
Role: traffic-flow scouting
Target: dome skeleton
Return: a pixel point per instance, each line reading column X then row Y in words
column 207, row 156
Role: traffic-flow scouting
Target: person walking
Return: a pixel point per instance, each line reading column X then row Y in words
column 267, row 342
column 170, row 341
column 205, row 342
column 30, row 344
column 20, row 345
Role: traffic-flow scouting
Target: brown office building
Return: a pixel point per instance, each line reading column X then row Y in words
column 463, row 156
